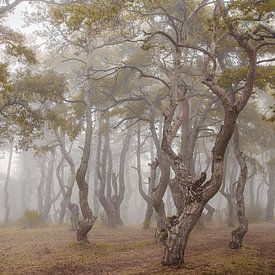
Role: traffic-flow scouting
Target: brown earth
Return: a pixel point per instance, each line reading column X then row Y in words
column 54, row 250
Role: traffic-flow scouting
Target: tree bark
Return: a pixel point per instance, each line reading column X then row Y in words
column 158, row 190
column 86, row 225
column 238, row 234
column 74, row 209
column 169, row 202
column 178, row 231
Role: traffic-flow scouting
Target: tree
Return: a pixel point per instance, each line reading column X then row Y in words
column 86, row 225
column 109, row 193
column 269, row 212
column 238, row 234
column 78, row 26
column 195, row 193
column 48, row 200
column 151, row 181
column 6, row 185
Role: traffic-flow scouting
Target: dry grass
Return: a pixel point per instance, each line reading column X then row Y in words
column 54, row 250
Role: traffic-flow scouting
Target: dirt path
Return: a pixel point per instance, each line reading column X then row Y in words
column 54, row 250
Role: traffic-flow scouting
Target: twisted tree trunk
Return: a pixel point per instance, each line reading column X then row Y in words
column 238, row 234
column 178, row 231
column 74, row 215
column 111, row 201
column 59, row 172
column 103, row 177
column 67, row 193
column 86, row 225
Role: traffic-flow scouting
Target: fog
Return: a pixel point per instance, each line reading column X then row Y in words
column 137, row 137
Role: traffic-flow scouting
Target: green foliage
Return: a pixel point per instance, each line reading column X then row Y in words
column 15, row 46
column 40, row 87
column 22, row 53
column 66, row 122
column 252, row 129
column 30, row 219
column 3, row 73
column 88, row 15
column 24, row 101
column 67, row 118
column 264, row 76
column 14, row 103
column 251, row 9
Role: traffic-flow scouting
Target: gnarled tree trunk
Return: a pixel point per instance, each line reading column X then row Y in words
column 117, row 199
column 238, row 234
column 113, row 198
column 59, row 171
column 86, row 225
column 66, row 192
column 101, row 171
column 74, row 209
column 158, row 190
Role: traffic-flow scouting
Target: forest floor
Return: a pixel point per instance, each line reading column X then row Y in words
column 129, row 250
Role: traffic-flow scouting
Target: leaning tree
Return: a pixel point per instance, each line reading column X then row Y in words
column 197, row 194
column 251, row 39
